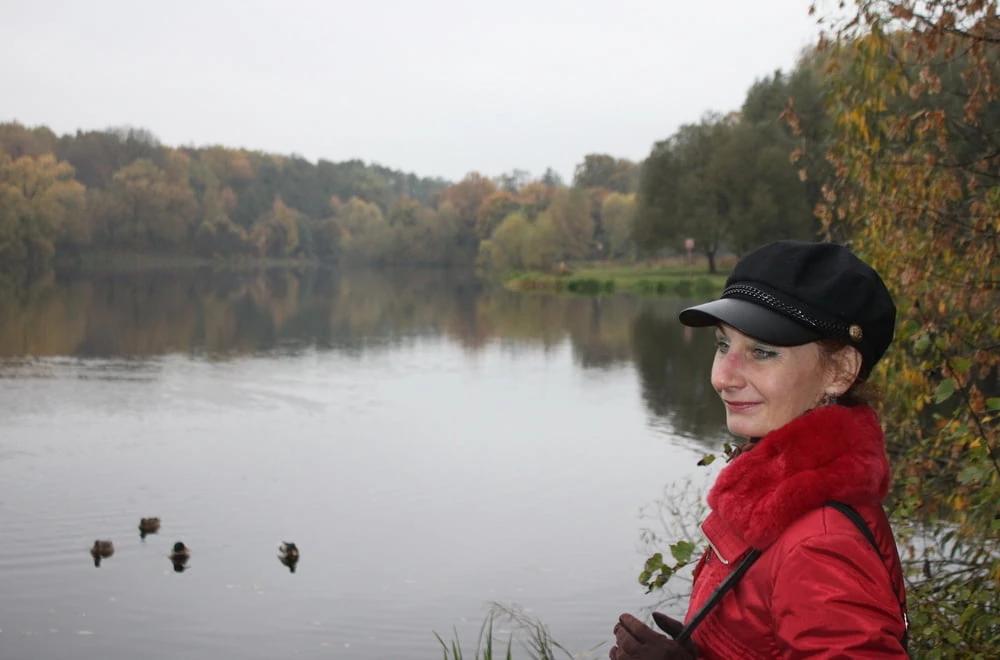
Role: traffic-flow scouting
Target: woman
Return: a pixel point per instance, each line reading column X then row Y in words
column 799, row 328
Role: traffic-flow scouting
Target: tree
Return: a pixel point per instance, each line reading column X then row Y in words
column 569, row 214
column 508, row 242
column 40, row 204
column 513, row 181
column 551, row 178
column 217, row 234
column 604, row 171
column 617, row 218
column 277, row 234
column 154, row 209
column 17, row 140
column 364, row 231
column 492, row 212
column 916, row 190
column 680, row 195
column 467, row 196
column 723, row 182
column 535, row 198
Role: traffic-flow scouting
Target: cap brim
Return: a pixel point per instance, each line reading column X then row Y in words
column 750, row 319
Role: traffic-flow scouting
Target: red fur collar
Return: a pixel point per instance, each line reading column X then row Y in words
column 830, row 453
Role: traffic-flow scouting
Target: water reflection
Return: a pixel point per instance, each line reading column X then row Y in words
column 675, row 364
column 127, row 319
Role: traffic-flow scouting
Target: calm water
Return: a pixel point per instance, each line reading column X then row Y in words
column 429, row 445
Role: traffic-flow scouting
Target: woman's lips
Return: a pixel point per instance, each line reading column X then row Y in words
column 740, row 406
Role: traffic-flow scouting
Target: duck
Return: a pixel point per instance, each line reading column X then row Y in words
column 180, row 552
column 148, row 526
column 101, row 550
column 179, row 556
column 288, row 553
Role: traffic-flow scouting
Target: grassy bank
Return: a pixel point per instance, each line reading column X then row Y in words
column 653, row 279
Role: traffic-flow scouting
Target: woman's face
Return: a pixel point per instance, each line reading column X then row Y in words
column 763, row 386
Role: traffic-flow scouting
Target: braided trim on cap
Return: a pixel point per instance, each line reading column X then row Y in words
column 766, row 299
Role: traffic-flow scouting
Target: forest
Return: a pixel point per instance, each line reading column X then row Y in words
column 120, row 191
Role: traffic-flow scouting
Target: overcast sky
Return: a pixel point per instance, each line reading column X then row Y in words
column 436, row 87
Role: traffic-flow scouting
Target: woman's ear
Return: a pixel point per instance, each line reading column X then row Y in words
column 846, row 367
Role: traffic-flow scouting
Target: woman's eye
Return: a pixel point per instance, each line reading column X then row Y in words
column 763, row 353
column 721, row 345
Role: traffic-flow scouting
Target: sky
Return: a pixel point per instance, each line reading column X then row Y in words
column 435, row 87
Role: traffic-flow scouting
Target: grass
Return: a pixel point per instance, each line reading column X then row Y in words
column 642, row 281
column 668, row 276
column 532, row 634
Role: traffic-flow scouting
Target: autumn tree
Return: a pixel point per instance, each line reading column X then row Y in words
column 17, row 140
column 535, row 198
column 40, row 205
column 506, row 247
column 364, row 230
column 916, row 189
column 569, row 214
column 154, row 208
column 467, row 196
column 492, row 212
column 277, row 233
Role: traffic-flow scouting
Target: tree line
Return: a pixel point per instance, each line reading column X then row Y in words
column 122, row 191
column 725, row 182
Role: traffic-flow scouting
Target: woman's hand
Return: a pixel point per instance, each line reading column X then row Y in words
column 634, row 640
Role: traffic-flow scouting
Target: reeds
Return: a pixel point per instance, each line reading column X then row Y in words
column 531, row 633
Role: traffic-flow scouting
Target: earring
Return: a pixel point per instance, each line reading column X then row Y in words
column 828, row 399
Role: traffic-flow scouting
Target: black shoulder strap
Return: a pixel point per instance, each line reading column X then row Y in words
column 858, row 521
column 862, row 526
column 717, row 595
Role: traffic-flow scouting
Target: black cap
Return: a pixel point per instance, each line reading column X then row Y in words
column 790, row 293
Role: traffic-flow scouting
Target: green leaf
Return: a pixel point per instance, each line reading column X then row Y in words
column 707, row 459
column 993, row 403
column 921, row 344
column 962, row 364
column 944, row 390
column 971, row 474
column 682, row 551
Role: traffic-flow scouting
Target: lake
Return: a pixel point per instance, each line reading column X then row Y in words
column 431, row 445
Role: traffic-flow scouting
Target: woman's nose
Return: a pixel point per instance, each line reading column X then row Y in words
column 727, row 371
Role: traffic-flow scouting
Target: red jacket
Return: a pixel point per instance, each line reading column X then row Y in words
column 818, row 590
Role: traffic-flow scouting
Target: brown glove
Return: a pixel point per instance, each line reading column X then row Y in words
column 634, row 640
